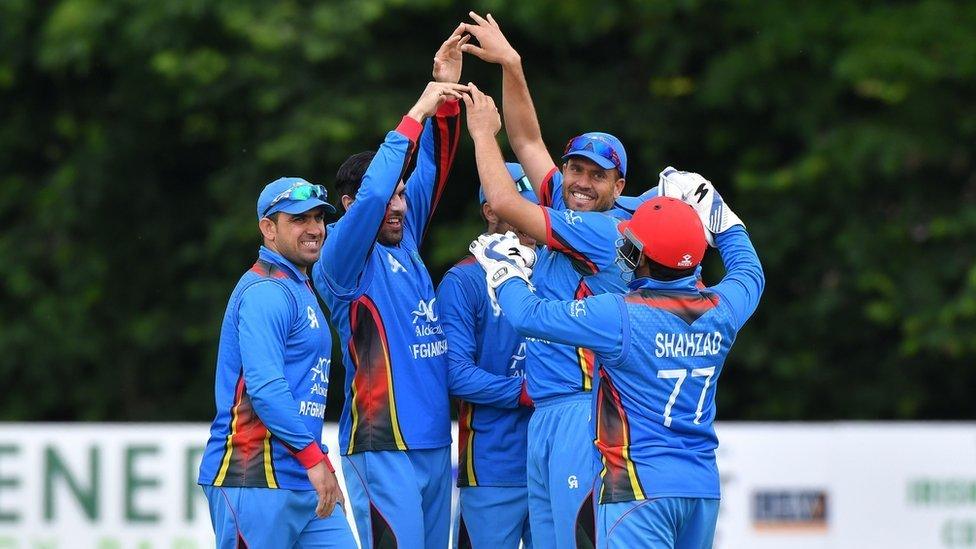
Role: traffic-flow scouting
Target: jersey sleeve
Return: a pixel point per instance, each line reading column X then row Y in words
column 438, row 147
column 457, row 305
column 599, row 323
column 589, row 239
column 265, row 317
column 351, row 239
column 552, row 190
column 744, row 280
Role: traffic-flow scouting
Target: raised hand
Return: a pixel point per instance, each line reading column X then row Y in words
column 447, row 60
column 482, row 114
column 492, row 254
column 700, row 194
column 434, row 94
column 492, row 45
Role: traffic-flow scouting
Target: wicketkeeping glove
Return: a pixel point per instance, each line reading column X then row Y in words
column 700, row 194
column 495, row 254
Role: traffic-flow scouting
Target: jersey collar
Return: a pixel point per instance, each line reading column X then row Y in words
column 274, row 257
column 686, row 284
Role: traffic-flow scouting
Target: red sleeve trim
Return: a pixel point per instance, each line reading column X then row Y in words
column 546, row 188
column 410, row 128
column 451, row 107
column 328, row 463
column 524, row 398
column 550, row 241
column 311, row 455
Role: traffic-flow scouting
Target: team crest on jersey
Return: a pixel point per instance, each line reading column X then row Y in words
column 313, row 319
column 577, row 308
column 395, row 266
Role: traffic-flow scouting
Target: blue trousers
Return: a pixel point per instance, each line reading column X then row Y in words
column 492, row 517
column 400, row 499
column 272, row 518
column 661, row 523
column 561, row 471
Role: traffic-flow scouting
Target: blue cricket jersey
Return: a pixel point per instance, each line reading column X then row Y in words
column 662, row 347
column 584, row 264
column 491, row 440
column 271, row 381
column 382, row 300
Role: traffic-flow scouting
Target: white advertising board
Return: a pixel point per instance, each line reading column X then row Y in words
column 795, row 485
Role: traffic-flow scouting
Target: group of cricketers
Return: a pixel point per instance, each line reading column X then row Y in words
column 578, row 337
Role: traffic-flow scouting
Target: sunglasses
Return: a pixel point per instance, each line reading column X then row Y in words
column 299, row 192
column 582, row 143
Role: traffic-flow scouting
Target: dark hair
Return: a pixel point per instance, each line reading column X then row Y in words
column 350, row 174
column 665, row 273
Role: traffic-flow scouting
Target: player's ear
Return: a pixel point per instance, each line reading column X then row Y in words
column 346, row 201
column 489, row 214
column 618, row 186
column 269, row 229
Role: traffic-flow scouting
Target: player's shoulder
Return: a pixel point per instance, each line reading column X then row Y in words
column 465, row 269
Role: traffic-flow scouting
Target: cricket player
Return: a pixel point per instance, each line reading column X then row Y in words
column 662, row 348
column 493, row 508
column 266, row 474
column 577, row 223
column 395, row 429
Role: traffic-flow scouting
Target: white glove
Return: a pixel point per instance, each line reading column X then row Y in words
column 510, row 245
column 700, row 194
column 494, row 253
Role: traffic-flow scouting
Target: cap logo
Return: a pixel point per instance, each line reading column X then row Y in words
column 685, row 261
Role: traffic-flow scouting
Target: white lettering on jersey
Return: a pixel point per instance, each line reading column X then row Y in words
column 687, row 344
column 572, row 217
column 314, row 409
column 429, row 350
column 313, row 319
column 321, row 370
column 425, row 310
column 395, row 265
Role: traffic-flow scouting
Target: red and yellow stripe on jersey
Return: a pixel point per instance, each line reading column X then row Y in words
column 247, row 454
column 620, row 479
column 375, row 424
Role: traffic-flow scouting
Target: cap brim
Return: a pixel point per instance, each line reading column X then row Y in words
column 304, row 206
column 604, row 163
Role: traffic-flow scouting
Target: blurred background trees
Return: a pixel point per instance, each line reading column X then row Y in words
column 135, row 137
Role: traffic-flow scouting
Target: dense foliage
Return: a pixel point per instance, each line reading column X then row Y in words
column 135, row 137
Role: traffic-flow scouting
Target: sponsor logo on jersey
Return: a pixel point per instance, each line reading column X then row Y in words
column 313, row 319
column 572, row 217
column 573, row 482
column 577, row 308
column 395, row 266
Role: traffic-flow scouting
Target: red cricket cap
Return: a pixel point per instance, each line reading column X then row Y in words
column 667, row 231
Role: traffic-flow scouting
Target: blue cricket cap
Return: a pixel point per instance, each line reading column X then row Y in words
column 604, row 149
column 292, row 195
column 521, row 183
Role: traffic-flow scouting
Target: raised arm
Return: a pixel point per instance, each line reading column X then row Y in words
column 521, row 122
column 483, row 124
column 744, row 280
column 351, row 239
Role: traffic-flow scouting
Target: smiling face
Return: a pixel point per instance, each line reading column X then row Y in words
column 391, row 231
column 297, row 237
column 589, row 188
